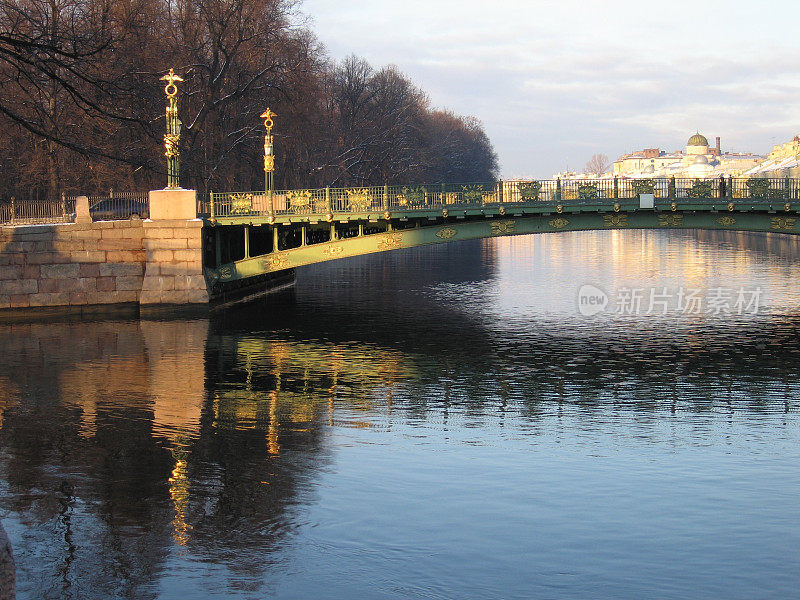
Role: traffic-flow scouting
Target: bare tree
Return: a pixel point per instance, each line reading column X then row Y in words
column 82, row 107
column 598, row 164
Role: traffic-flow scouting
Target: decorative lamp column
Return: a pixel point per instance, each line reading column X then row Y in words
column 269, row 158
column 173, row 135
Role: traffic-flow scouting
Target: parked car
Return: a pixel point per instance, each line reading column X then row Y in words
column 111, row 209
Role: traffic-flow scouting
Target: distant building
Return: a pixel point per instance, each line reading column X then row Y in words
column 645, row 162
column 783, row 161
column 698, row 161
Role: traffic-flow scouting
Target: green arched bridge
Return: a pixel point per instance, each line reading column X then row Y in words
column 258, row 234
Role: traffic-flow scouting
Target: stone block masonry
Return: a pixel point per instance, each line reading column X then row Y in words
column 174, row 267
column 106, row 262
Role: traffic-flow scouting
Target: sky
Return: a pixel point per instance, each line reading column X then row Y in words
column 555, row 82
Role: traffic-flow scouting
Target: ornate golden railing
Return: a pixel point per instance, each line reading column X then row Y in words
column 383, row 199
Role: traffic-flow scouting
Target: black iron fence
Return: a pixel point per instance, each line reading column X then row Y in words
column 31, row 212
column 102, row 207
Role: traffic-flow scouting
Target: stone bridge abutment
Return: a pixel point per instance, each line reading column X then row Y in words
column 140, row 262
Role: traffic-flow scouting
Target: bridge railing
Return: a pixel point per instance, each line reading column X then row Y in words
column 30, row 212
column 102, row 207
column 354, row 200
column 329, row 201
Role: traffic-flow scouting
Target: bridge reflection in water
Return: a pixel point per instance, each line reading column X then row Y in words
column 141, row 458
column 117, row 479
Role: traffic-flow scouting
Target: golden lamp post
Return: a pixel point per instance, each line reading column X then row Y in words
column 173, row 136
column 269, row 157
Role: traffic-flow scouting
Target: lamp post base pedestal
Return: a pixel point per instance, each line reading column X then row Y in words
column 173, row 204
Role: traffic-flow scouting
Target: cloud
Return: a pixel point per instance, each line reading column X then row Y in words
column 555, row 82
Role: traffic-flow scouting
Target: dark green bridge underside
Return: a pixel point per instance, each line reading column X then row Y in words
column 418, row 228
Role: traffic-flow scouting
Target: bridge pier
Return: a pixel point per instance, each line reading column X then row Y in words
column 173, row 246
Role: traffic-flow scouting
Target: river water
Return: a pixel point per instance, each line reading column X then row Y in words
column 444, row 422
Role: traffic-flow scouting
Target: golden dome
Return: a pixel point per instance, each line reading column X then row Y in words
column 698, row 139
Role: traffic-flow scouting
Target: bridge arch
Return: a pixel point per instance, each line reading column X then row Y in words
column 408, row 231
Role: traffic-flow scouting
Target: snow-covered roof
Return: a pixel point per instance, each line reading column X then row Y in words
column 773, row 165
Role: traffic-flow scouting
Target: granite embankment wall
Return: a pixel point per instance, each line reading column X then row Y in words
column 106, row 262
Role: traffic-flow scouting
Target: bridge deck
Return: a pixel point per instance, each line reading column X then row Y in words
column 295, row 232
column 435, row 211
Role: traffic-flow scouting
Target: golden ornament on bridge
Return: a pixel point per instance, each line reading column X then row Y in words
column 615, row 220
column 782, row 223
column 267, row 116
column 670, row 220
column 391, row 242
column 279, row 261
column 171, row 145
column 503, row 227
column 333, row 250
column 171, row 89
